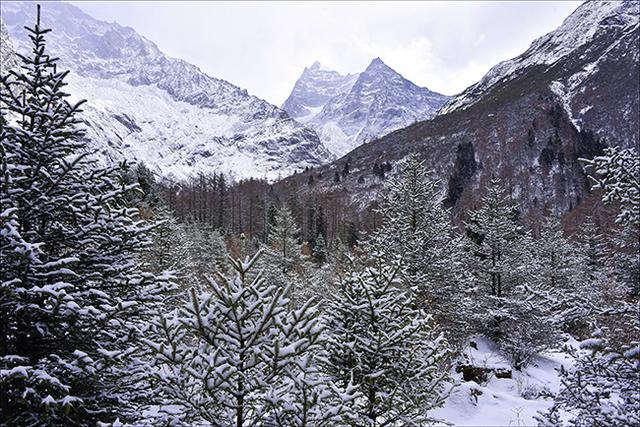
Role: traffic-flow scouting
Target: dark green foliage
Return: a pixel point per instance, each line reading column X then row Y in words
column 73, row 301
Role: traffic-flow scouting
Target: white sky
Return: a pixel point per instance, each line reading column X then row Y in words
column 264, row 46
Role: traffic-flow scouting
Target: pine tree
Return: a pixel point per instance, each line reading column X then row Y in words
column 320, row 249
column 417, row 226
column 284, row 232
column 617, row 173
column 499, row 303
column 386, row 347
column 237, row 356
column 171, row 249
column 603, row 387
column 591, row 248
column 207, row 250
column 556, row 279
column 73, row 301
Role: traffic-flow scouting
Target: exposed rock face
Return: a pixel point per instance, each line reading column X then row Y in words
column 146, row 106
column 349, row 110
column 314, row 89
column 528, row 121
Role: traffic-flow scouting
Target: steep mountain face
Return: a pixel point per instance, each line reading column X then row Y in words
column 143, row 105
column 349, row 110
column 315, row 87
column 574, row 92
column 570, row 60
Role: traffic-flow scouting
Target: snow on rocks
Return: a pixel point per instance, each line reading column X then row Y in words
column 502, row 401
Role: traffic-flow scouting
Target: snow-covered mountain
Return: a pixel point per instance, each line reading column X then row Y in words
column 347, row 111
column 143, row 105
column 577, row 32
column 316, row 86
column 529, row 121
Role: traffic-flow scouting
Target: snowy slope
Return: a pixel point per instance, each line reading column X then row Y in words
column 503, row 401
column 236, row 131
column 576, row 31
column 347, row 111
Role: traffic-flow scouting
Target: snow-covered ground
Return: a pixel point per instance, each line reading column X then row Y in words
column 503, row 401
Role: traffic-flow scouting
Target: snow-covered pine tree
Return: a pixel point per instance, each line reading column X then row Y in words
column 617, row 174
column 591, row 248
column 147, row 199
column 237, row 355
column 320, row 249
column 556, row 280
column 171, row 248
column 417, row 226
column 603, row 387
column 498, row 302
column 207, row 250
column 389, row 349
column 73, row 301
column 283, row 234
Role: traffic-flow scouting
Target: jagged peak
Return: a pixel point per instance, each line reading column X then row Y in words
column 377, row 64
column 319, row 67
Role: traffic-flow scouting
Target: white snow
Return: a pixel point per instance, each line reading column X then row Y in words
column 502, row 401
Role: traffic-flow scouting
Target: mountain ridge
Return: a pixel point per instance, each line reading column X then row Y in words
column 348, row 110
column 524, row 128
column 251, row 138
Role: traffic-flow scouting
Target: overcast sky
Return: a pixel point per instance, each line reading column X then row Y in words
column 264, row 46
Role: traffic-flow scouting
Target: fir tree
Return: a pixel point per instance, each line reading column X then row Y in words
column 386, row 347
column 171, row 249
column 73, row 302
column 617, row 173
column 498, row 302
column 556, row 280
column 237, row 356
column 320, row 249
column 417, row 226
column 603, row 387
column 283, row 233
column 207, row 250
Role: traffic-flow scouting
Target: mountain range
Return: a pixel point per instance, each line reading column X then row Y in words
column 347, row 110
column 145, row 106
column 528, row 121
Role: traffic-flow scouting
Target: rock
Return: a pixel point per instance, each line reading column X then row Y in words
column 480, row 374
column 474, row 373
column 503, row 373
